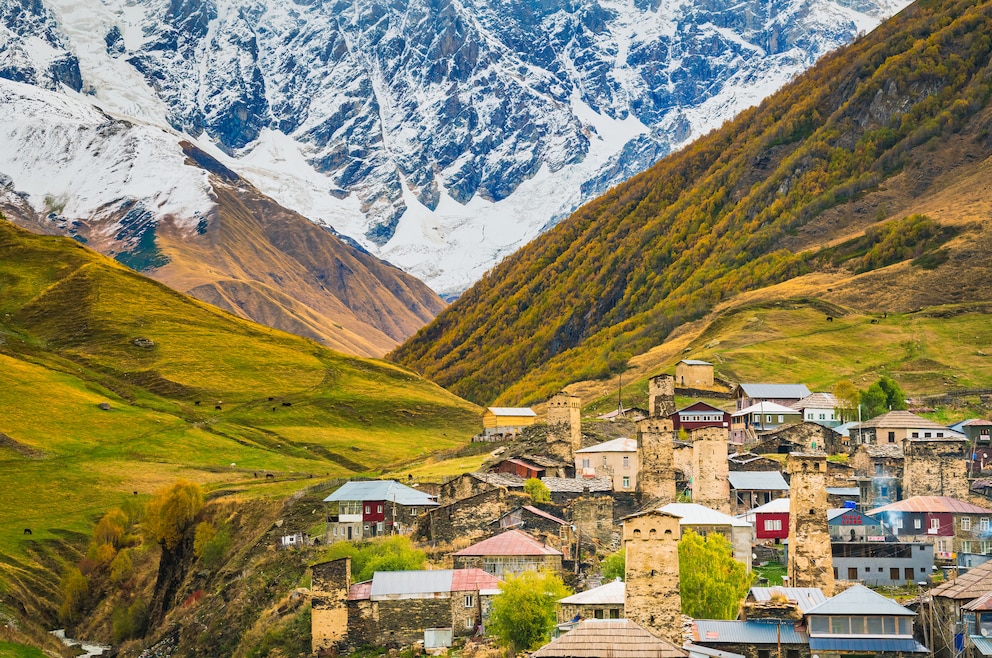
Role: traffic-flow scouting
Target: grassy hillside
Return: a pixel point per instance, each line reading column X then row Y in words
column 861, row 138
column 193, row 392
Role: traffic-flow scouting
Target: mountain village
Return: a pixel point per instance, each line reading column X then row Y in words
column 852, row 510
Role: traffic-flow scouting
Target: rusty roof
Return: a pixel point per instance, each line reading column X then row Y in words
column 982, row 603
column 932, row 504
column 970, row 585
column 360, row 591
column 511, row 542
column 617, row 638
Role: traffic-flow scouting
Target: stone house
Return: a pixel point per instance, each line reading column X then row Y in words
column 510, row 552
column 878, row 472
column 396, row 608
column 782, row 394
column 693, row 373
column 703, row 521
column 951, row 525
column 746, row 423
column 362, row 509
column 699, row 415
column 551, row 530
column 750, row 489
column 616, row 459
column 603, row 602
column 948, row 600
column 895, row 426
column 504, row 423
column 804, row 436
column 468, row 517
column 471, row 484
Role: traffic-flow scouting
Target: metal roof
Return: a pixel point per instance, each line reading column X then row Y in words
column 386, row 490
column 816, row 401
column 360, row 591
column 906, row 420
column 694, row 514
column 983, row 603
column 764, row 631
column 859, row 600
column 866, row 645
column 850, row 492
column 512, row 411
column 772, row 408
column 777, row 506
column 834, row 512
column 969, row 585
column 543, row 514
column 775, row 391
column 616, row 445
column 511, row 542
column 696, row 651
column 757, row 481
column 695, row 362
column 806, row 598
column 469, row 580
column 391, row 583
column 617, row 638
column 700, row 406
column 612, row 593
column 983, row 644
column 932, row 504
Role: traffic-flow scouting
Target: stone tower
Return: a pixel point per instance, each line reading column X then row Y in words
column 935, row 467
column 661, row 396
column 656, row 459
column 652, row 599
column 329, row 617
column 564, row 419
column 810, row 559
column 710, row 468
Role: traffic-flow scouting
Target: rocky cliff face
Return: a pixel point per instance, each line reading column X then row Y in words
column 440, row 134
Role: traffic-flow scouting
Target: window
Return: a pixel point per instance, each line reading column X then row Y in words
column 966, row 546
column 905, row 625
column 857, row 625
column 470, row 600
column 966, row 523
column 823, row 416
column 940, row 435
column 585, row 463
column 768, row 419
column 898, row 523
column 927, row 435
column 380, row 509
column 604, row 461
column 986, row 547
column 773, row 524
column 781, row 419
column 892, row 437
column 889, row 625
column 874, row 625
column 626, row 462
column 916, row 435
column 917, row 523
column 368, row 509
column 983, row 524
column 894, row 574
column 840, row 626
column 469, row 624
column 935, row 523
column 626, row 482
column 819, row 625
column 614, row 613
column 852, row 573
column 598, row 613
column 942, row 545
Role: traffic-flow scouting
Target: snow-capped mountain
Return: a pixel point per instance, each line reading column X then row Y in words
column 439, row 134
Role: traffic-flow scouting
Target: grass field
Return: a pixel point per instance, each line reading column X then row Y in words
column 12, row 650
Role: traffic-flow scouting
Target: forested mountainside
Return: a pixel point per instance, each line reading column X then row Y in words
column 840, row 155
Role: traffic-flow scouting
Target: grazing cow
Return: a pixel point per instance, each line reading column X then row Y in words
column 27, row 531
column 874, row 321
column 269, row 476
column 217, row 407
column 829, row 319
column 287, row 404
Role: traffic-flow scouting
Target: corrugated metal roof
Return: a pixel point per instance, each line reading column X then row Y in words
column 701, row 406
column 611, row 593
column 859, row 600
column 695, row 362
column 387, row 490
column 867, row 644
column 617, row 638
column 777, row 506
column 850, row 492
column 512, row 411
column 511, row 542
column 578, row 485
column 696, row 651
column 616, row 445
column 520, row 462
column 543, row 514
column 806, row 598
column 983, row 644
column 932, row 504
column 693, row 514
column 392, row 583
column 709, row 631
column 360, row 591
column 970, row 585
column 757, row 481
column 772, row 408
column 775, row 391
column 983, row 603
column 465, row 580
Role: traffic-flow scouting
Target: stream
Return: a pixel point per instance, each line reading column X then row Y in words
column 90, row 648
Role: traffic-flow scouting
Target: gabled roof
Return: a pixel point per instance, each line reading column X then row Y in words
column 469, row 580
column 932, row 504
column 543, row 514
column 617, row 638
column 766, row 408
column 399, row 583
column 522, row 462
column 774, row 391
column 970, row 585
column 777, row 506
column 982, row 603
column 905, row 420
column 700, row 406
column 387, row 490
column 711, row 631
column 816, row 401
column 616, row 445
column 834, row 512
column 806, row 598
column 511, row 542
column 859, row 600
column 693, row 514
column 695, row 362
column 611, row 593
column 578, row 485
column 512, row 411
column 757, row 481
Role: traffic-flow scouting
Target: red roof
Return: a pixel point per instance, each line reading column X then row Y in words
column 469, row 580
column 982, row 603
column 933, row 504
column 360, row 591
column 511, row 542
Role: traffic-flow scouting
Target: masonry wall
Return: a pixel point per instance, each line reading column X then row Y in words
column 656, row 456
column 564, row 418
column 466, row 518
column 935, row 468
column 500, row 565
column 661, row 396
column 592, row 517
column 462, row 487
column 810, row 556
column 652, row 573
column 402, row 622
column 329, row 616
column 710, row 469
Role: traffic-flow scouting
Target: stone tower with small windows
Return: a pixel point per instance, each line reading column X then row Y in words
column 661, row 396
column 810, row 557
column 564, row 420
column 656, row 459
column 651, row 598
column 710, row 468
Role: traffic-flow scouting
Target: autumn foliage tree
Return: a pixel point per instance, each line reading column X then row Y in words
column 171, row 512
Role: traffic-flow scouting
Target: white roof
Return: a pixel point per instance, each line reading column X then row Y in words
column 767, row 408
column 616, row 445
column 608, row 594
column 512, row 411
column 777, row 506
column 693, row 514
column 696, row 362
column 757, row 481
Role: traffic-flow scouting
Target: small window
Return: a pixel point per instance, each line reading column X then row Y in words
column 598, row 613
column 983, row 523
column 857, row 625
column 935, row 523
column 874, row 625
column 585, row 463
column 368, row 509
column 940, row 435
column 916, row 435
column 626, row 482
column 781, row 419
column 840, row 626
column 604, row 461
column 928, row 435
column 905, row 626
column 470, row 600
column 823, row 416
column 892, row 437
column 380, row 509
column 626, row 462
column 918, row 523
column 889, row 624
column 966, row 523
column 819, row 625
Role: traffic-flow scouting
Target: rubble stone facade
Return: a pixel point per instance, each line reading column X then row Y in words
column 710, row 468
column 469, row 517
column 329, row 616
column 935, row 467
column 661, row 396
column 656, row 456
column 592, row 517
column 810, row 555
column 652, row 598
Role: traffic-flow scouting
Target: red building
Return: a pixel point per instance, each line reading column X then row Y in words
column 520, row 468
column 699, row 415
column 770, row 521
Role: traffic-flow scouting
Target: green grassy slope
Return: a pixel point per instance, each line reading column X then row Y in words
column 78, row 330
column 851, row 142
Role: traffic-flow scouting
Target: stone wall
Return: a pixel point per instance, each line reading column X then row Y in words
column 461, row 487
column 710, row 469
column 937, row 467
column 329, row 617
column 402, row 622
column 564, row 419
column 592, row 517
column 467, row 518
column 810, row 556
column 500, row 565
column 652, row 574
column 661, row 396
column 656, row 457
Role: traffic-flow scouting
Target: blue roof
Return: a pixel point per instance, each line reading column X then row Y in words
column 984, row 645
column 859, row 600
column 868, row 644
column 386, row 490
column 747, row 632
